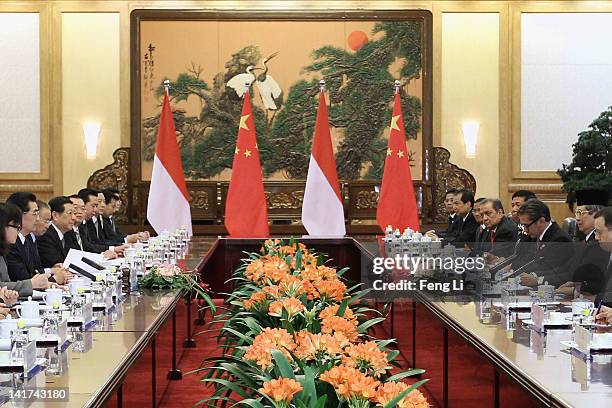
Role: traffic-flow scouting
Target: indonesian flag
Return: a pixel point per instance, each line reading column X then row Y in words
column 168, row 205
column 322, row 212
column 397, row 203
column 246, row 213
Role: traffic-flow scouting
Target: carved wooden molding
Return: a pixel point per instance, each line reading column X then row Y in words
column 115, row 175
column 446, row 176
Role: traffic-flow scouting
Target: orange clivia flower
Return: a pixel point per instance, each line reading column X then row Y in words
column 273, row 291
column 269, row 339
column 275, row 269
column 332, row 310
column 310, row 346
column 340, row 325
column 367, row 357
column 255, row 299
column 350, row 383
column 327, row 273
column 292, row 286
column 254, row 270
column 332, row 289
column 292, row 305
column 389, row 390
column 281, row 390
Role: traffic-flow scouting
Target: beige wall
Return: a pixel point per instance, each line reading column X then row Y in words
column 90, row 92
column 470, row 92
column 469, row 88
column 476, row 76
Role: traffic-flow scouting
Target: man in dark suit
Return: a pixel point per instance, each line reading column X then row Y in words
column 449, row 205
column 465, row 224
column 603, row 234
column 44, row 219
column 92, row 231
column 109, row 237
column 10, row 226
column 502, row 230
column 519, row 198
column 481, row 238
column 111, row 203
column 111, row 198
column 78, row 237
column 553, row 246
column 22, row 260
column 52, row 246
column 590, row 260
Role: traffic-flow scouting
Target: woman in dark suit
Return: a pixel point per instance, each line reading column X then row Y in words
column 10, row 225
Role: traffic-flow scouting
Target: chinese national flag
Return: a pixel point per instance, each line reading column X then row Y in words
column 246, row 213
column 397, row 203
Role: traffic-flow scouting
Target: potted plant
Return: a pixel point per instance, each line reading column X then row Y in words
column 591, row 166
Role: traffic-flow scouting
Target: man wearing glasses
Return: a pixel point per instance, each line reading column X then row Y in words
column 44, row 219
column 23, row 260
column 589, row 263
column 553, row 247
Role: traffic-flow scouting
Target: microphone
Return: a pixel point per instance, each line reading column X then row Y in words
column 81, row 271
column 92, row 263
column 516, row 273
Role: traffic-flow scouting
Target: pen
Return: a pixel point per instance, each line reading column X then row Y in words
column 598, row 308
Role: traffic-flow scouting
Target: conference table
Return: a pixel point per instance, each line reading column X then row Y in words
column 126, row 358
column 469, row 361
column 132, row 353
column 479, row 355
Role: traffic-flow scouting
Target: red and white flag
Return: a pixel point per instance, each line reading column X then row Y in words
column 322, row 212
column 397, row 203
column 246, row 212
column 168, row 205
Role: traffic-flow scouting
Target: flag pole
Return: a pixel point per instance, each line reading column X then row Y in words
column 167, row 86
column 247, row 85
column 396, row 85
column 322, row 85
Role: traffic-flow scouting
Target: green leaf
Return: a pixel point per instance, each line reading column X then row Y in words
column 391, row 356
column 402, row 394
column 321, row 402
column 246, row 339
column 309, row 390
column 251, row 403
column 227, row 385
column 363, row 327
column 298, row 259
column 342, row 308
column 342, row 271
column 283, row 364
column 405, row 374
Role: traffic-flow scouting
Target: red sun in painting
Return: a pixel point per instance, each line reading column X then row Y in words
column 357, row 39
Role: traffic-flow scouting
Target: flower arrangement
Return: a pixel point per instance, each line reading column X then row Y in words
column 295, row 335
column 168, row 276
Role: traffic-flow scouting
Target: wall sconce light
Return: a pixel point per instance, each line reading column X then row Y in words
column 91, row 132
column 470, row 137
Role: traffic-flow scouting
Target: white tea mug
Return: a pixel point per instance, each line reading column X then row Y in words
column 129, row 253
column 75, row 284
column 30, row 309
column 7, row 326
column 53, row 297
